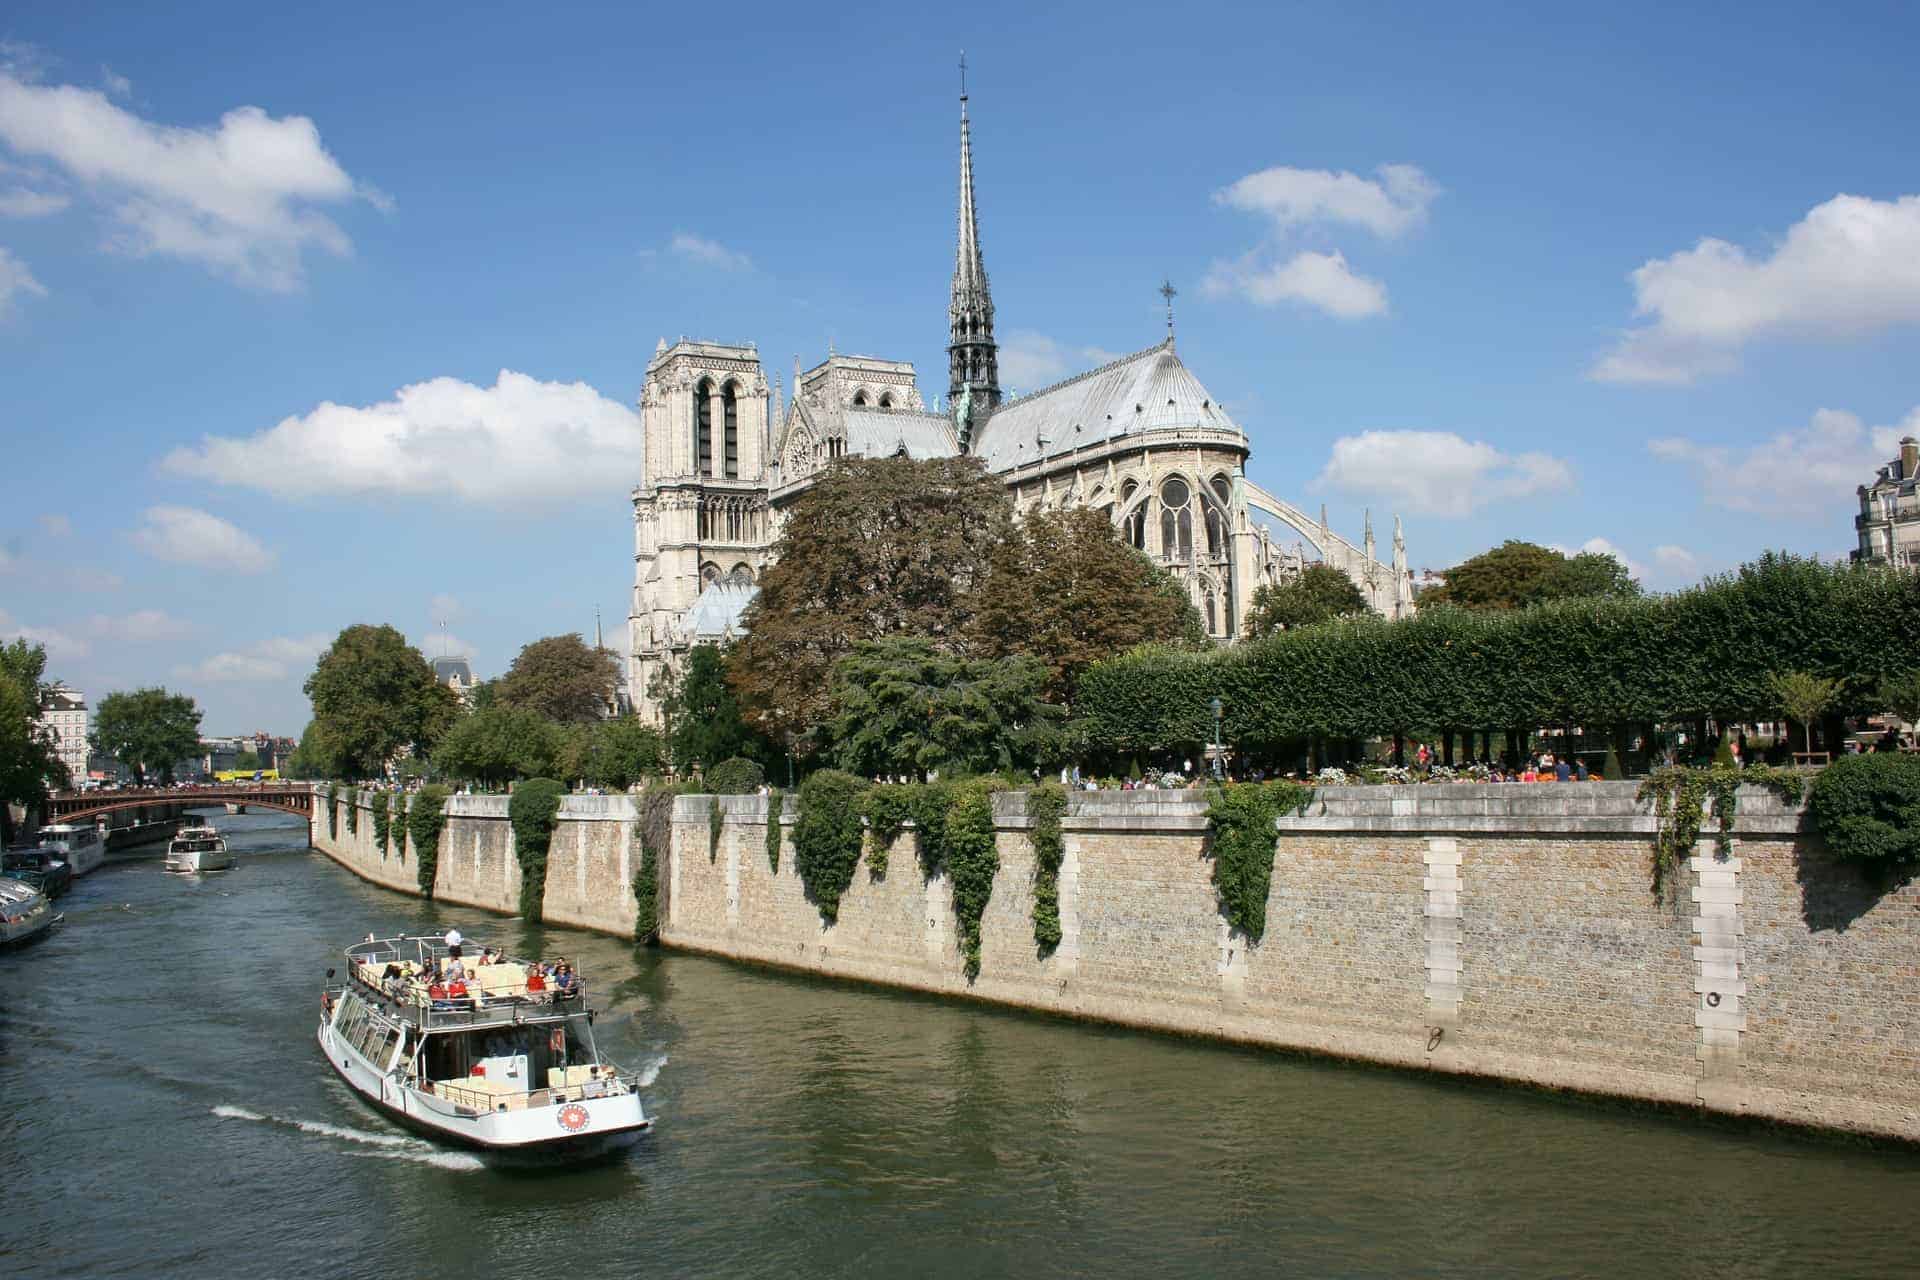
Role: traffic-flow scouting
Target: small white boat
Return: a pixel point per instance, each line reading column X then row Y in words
column 510, row 1065
column 198, row 848
column 25, row 913
column 82, row 843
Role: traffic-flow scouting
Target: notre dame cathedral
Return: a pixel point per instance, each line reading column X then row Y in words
column 1139, row 439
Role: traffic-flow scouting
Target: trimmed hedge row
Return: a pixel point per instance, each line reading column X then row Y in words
column 1706, row 651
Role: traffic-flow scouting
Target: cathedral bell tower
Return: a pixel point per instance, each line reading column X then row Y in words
column 973, row 357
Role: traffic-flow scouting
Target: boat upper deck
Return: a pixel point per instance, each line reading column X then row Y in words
column 415, row 978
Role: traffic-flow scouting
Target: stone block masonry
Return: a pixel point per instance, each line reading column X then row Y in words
column 1500, row 931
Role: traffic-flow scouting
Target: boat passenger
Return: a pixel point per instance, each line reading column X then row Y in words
column 563, row 976
column 456, row 971
column 453, row 943
column 536, row 981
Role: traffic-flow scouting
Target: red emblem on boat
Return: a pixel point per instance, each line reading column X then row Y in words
column 573, row 1117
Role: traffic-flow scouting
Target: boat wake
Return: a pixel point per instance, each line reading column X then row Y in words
column 390, row 1146
column 651, row 1072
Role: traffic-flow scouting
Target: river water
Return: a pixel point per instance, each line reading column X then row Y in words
column 167, row 1113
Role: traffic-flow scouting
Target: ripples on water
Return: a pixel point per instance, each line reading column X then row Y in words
column 166, row 1112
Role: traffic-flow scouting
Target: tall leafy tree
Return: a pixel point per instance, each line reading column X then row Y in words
column 901, row 705
column 148, row 730
column 1516, row 574
column 704, row 718
column 1065, row 588
column 26, row 663
column 373, row 697
column 29, row 767
column 1319, row 594
column 562, row 678
column 499, row 744
column 876, row 547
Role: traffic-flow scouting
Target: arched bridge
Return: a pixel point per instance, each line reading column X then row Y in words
column 80, row 806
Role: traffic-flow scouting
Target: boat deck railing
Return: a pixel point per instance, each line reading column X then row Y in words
column 497, row 993
column 582, row 1084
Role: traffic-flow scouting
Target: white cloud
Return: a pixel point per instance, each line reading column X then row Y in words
column 1322, row 280
column 61, row 645
column 241, row 196
column 707, row 253
column 515, row 441
column 1851, row 266
column 1389, row 206
column 184, row 535
column 1602, row 547
column 1029, row 360
column 114, row 83
column 441, row 644
column 1810, row 472
column 22, row 202
column 1676, row 561
column 56, row 524
column 1438, row 472
column 272, row 659
column 140, row 625
column 16, row 282
column 446, row 608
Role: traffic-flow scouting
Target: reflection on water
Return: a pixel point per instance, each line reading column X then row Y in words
column 166, row 1103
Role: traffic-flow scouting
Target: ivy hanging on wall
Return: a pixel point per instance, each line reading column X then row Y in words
column 532, row 809
column 1241, row 841
column 333, row 810
column 1680, row 793
column 353, row 812
column 776, row 806
column 827, row 837
column 426, row 818
column 1046, row 805
column 972, row 858
column 888, row 808
column 716, row 823
column 646, row 890
column 379, row 805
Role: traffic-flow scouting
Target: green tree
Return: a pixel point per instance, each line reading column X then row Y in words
column 1804, row 696
column 305, row 764
column 1319, row 594
column 1900, row 694
column 561, row 678
column 903, row 706
column 499, row 744
column 374, row 696
column 29, row 768
column 1065, row 588
column 246, row 761
column 148, row 730
column 26, row 664
column 875, row 547
column 1516, row 574
column 628, row 750
column 704, row 719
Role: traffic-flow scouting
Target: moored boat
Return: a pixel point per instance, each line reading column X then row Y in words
column 25, row 913
column 81, row 843
column 44, row 868
column 197, row 848
column 503, row 1060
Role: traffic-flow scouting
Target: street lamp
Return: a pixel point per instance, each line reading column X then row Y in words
column 1217, row 706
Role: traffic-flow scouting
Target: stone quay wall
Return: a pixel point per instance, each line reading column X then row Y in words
column 1499, row 931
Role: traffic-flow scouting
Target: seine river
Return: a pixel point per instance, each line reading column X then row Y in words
column 167, row 1113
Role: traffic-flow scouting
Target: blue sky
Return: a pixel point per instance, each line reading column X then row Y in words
column 1636, row 274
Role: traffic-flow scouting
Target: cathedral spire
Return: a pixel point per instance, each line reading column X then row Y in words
column 973, row 358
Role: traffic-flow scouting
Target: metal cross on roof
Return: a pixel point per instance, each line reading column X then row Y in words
column 1168, row 292
column 963, row 75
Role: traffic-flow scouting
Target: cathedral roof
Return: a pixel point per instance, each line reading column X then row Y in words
column 881, row 433
column 716, row 614
column 1146, row 391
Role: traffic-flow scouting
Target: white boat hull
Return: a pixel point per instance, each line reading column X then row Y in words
column 189, row 862
column 30, row 924
column 586, row 1123
column 83, row 850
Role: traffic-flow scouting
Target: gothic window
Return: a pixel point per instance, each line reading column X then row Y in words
column 886, row 401
column 1212, row 628
column 1133, row 526
column 859, row 399
column 742, row 575
column 703, row 427
column 709, row 574
column 1216, row 533
column 1176, row 520
column 730, row 411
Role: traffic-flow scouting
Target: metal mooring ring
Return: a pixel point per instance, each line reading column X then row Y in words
column 1713, row 999
column 1433, row 1041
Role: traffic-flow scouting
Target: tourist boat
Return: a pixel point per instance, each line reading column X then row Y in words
column 506, row 1068
column 197, row 848
column 43, row 868
column 82, row 844
column 25, row 913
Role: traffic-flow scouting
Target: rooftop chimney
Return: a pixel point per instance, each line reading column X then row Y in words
column 1909, row 458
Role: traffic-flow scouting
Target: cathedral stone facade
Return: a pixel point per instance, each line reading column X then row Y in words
column 1139, row 439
